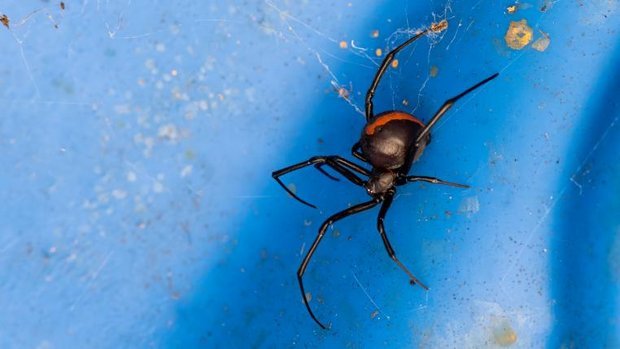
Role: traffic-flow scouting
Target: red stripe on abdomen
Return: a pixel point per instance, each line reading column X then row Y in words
column 385, row 118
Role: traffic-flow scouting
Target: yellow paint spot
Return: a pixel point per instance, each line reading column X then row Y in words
column 518, row 35
column 434, row 71
column 395, row 63
column 343, row 44
column 542, row 43
column 504, row 336
column 378, row 52
column 511, row 9
column 374, row 34
column 439, row 27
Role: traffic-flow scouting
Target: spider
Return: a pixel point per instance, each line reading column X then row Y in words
column 390, row 142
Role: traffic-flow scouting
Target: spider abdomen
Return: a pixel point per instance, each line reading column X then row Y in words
column 388, row 138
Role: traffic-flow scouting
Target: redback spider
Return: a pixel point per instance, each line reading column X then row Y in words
column 391, row 141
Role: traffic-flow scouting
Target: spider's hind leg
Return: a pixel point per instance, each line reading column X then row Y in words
column 382, row 212
column 331, row 220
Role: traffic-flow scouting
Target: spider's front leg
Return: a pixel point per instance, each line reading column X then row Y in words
column 343, row 166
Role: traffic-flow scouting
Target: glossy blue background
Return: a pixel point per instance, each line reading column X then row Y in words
column 137, row 141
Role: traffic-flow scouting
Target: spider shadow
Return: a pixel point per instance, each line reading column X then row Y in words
column 584, row 268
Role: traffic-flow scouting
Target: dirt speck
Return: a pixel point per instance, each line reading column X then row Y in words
column 434, row 71
column 4, row 19
column 439, row 27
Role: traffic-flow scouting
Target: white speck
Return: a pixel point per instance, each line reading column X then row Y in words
column 186, row 171
column 250, row 94
column 119, row 194
column 45, row 345
column 160, row 47
column 131, row 176
column 103, row 198
column 470, row 206
column 169, row 132
column 158, row 187
column 122, row 109
column 149, row 64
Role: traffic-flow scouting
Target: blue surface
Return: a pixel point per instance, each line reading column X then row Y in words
column 137, row 141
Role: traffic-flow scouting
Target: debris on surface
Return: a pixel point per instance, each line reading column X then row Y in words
column 541, row 43
column 439, row 27
column 547, row 5
column 4, row 19
column 512, row 9
column 518, row 35
column 504, row 335
column 434, row 71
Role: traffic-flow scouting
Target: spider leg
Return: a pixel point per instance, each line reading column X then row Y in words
column 355, row 151
column 434, row 180
column 339, row 164
column 447, row 105
column 384, row 208
column 319, row 167
column 331, row 220
column 384, row 65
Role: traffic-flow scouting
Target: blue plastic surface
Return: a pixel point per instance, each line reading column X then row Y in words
column 137, row 141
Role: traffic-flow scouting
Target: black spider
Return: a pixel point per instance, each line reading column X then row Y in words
column 391, row 141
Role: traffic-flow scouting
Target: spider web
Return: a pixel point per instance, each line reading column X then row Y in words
column 208, row 95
